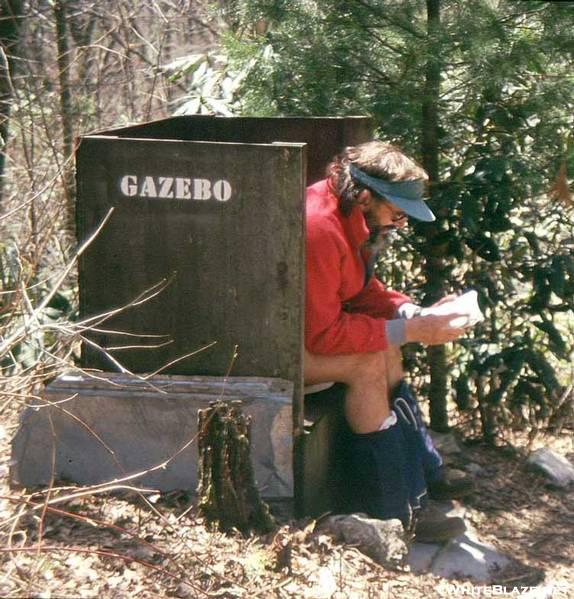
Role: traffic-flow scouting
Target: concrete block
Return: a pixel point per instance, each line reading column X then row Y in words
column 97, row 428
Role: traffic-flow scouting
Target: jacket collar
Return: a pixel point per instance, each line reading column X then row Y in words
column 354, row 225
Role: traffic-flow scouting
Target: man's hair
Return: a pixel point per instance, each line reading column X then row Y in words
column 376, row 158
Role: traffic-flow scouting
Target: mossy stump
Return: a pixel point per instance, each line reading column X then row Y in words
column 228, row 494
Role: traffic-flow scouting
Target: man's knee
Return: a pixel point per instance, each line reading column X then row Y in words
column 350, row 369
column 370, row 367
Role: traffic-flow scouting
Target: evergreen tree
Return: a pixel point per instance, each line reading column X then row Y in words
column 483, row 94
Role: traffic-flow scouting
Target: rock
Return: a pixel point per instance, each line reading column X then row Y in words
column 421, row 556
column 474, row 469
column 446, row 443
column 383, row 541
column 450, row 508
column 467, row 557
column 557, row 469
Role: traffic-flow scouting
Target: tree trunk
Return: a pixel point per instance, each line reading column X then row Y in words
column 430, row 157
column 228, row 494
column 82, row 27
column 11, row 16
column 65, row 108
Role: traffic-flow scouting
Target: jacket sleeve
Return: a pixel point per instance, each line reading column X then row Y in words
column 377, row 301
column 329, row 329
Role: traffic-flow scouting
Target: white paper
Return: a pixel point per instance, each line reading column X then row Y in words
column 465, row 307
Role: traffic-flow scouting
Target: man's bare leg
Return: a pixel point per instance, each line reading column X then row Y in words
column 368, row 377
column 394, row 363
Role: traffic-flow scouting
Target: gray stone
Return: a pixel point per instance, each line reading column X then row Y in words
column 421, row 556
column 474, row 469
column 557, row 469
column 467, row 557
column 115, row 425
column 446, row 443
column 382, row 540
column 450, row 508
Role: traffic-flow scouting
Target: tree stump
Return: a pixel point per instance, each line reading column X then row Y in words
column 228, row 494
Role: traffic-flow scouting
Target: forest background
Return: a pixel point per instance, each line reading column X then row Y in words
column 481, row 93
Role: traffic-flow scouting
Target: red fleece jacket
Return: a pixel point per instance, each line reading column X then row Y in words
column 342, row 315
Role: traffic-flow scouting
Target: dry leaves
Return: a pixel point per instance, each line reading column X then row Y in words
column 115, row 546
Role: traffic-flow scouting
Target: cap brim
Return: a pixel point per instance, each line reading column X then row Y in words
column 416, row 208
column 406, row 195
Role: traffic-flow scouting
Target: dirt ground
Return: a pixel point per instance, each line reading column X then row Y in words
column 116, row 546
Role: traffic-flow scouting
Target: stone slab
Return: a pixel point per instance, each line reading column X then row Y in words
column 421, row 555
column 105, row 426
column 383, row 541
column 557, row 469
column 467, row 557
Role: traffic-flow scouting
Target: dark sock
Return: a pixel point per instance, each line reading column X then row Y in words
column 384, row 480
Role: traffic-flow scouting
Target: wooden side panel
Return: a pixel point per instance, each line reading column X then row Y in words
column 226, row 238
column 322, row 467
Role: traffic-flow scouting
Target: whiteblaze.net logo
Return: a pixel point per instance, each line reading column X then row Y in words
column 554, row 591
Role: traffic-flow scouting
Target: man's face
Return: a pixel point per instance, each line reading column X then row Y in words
column 381, row 216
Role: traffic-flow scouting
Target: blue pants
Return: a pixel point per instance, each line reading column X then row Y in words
column 406, row 408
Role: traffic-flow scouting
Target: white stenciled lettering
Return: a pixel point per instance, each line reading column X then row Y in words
column 129, row 185
column 166, row 187
column 201, row 189
column 222, row 190
column 183, row 188
column 179, row 188
column 148, row 189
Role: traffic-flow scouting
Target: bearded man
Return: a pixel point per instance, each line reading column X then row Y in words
column 354, row 329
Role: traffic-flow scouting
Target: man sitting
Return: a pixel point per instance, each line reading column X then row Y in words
column 354, row 329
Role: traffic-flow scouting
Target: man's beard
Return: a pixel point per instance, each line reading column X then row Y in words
column 379, row 234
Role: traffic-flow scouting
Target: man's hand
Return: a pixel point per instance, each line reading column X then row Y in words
column 432, row 330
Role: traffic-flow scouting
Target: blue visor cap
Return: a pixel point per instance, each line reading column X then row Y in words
column 406, row 195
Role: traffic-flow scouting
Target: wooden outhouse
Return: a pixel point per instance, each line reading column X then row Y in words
column 193, row 289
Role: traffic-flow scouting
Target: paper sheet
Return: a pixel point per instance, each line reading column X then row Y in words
column 465, row 306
